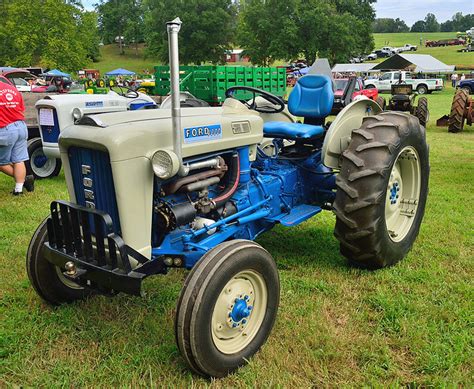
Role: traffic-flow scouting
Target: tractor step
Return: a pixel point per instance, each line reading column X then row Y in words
column 299, row 214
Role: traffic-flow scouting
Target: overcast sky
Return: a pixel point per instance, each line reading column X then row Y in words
column 408, row 10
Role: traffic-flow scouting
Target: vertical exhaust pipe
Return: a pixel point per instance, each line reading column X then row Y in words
column 173, row 28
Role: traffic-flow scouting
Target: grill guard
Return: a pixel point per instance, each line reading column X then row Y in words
column 86, row 237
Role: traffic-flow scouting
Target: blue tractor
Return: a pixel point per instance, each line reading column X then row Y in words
column 155, row 190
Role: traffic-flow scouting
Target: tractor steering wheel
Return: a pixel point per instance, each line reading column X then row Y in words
column 277, row 103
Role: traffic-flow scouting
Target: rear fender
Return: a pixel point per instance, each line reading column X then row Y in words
column 339, row 134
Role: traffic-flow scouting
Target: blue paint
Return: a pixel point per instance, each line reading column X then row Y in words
column 50, row 134
column 240, row 311
column 40, row 160
column 102, row 183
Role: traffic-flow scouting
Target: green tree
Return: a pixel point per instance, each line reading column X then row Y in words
column 52, row 38
column 113, row 20
column 206, row 33
column 418, row 26
column 336, row 29
column 431, row 24
column 389, row 25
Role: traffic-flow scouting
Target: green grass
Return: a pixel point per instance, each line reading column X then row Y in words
column 448, row 54
column 131, row 60
column 409, row 325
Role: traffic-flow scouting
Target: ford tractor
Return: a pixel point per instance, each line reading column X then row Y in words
column 155, row 190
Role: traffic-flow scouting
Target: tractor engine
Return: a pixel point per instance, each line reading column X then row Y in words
column 120, row 163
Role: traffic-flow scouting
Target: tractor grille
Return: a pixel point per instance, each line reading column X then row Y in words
column 93, row 181
column 50, row 134
column 86, row 234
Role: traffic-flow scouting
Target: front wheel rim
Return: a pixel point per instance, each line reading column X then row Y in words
column 403, row 194
column 46, row 167
column 239, row 312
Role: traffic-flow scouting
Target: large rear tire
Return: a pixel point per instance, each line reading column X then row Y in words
column 47, row 280
column 456, row 117
column 382, row 190
column 422, row 112
column 227, row 307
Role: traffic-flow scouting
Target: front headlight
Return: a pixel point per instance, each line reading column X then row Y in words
column 165, row 164
column 77, row 114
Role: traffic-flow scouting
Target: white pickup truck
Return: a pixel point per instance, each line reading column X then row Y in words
column 421, row 85
column 406, row 47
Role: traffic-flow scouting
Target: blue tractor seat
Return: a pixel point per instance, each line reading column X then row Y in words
column 312, row 98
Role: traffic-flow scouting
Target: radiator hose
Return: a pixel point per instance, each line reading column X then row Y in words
column 231, row 185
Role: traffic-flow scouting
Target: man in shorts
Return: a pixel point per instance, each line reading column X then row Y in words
column 13, row 137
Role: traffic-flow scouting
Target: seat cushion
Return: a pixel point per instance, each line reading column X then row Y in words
column 312, row 97
column 291, row 131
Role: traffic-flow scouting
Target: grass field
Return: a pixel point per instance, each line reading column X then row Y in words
column 111, row 59
column 409, row 325
column 448, row 54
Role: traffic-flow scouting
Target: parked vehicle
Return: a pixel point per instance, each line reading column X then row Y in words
column 372, row 56
column 445, row 42
column 421, row 85
column 21, row 84
column 347, row 89
column 467, row 49
column 467, row 85
column 389, row 50
column 382, row 54
column 157, row 190
column 407, row 47
column 403, row 99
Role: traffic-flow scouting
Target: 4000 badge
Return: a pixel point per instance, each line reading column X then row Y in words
column 202, row 133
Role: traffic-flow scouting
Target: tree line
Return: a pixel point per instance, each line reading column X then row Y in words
column 266, row 29
column 458, row 22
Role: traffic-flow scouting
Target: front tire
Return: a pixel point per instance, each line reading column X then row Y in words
column 47, row 280
column 382, row 190
column 39, row 164
column 381, row 102
column 227, row 307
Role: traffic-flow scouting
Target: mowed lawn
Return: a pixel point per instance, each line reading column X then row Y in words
column 412, row 324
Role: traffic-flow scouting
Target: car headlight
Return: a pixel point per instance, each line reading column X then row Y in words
column 77, row 114
column 165, row 164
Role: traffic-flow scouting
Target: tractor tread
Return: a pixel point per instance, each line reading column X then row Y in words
column 456, row 117
column 359, row 162
column 362, row 188
column 351, row 192
column 361, row 174
column 365, row 134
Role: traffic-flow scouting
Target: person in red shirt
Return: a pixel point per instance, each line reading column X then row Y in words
column 13, row 137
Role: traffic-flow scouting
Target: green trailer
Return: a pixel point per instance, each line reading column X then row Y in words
column 209, row 83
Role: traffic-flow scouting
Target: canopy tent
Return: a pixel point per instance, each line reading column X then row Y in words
column 423, row 63
column 353, row 67
column 56, row 73
column 120, row 72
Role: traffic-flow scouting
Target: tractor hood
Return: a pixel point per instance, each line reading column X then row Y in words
column 127, row 135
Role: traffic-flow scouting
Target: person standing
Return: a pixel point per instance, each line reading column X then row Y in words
column 13, row 137
column 454, row 78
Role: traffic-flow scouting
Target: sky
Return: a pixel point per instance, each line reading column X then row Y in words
column 408, row 10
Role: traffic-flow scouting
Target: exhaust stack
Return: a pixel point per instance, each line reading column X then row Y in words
column 173, row 28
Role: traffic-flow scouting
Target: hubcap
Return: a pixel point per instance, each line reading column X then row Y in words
column 403, row 194
column 41, row 165
column 239, row 312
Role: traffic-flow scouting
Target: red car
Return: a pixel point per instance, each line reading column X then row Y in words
column 345, row 92
column 341, row 83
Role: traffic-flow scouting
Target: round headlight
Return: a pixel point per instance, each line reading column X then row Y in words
column 165, row 164
column 77, row 113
